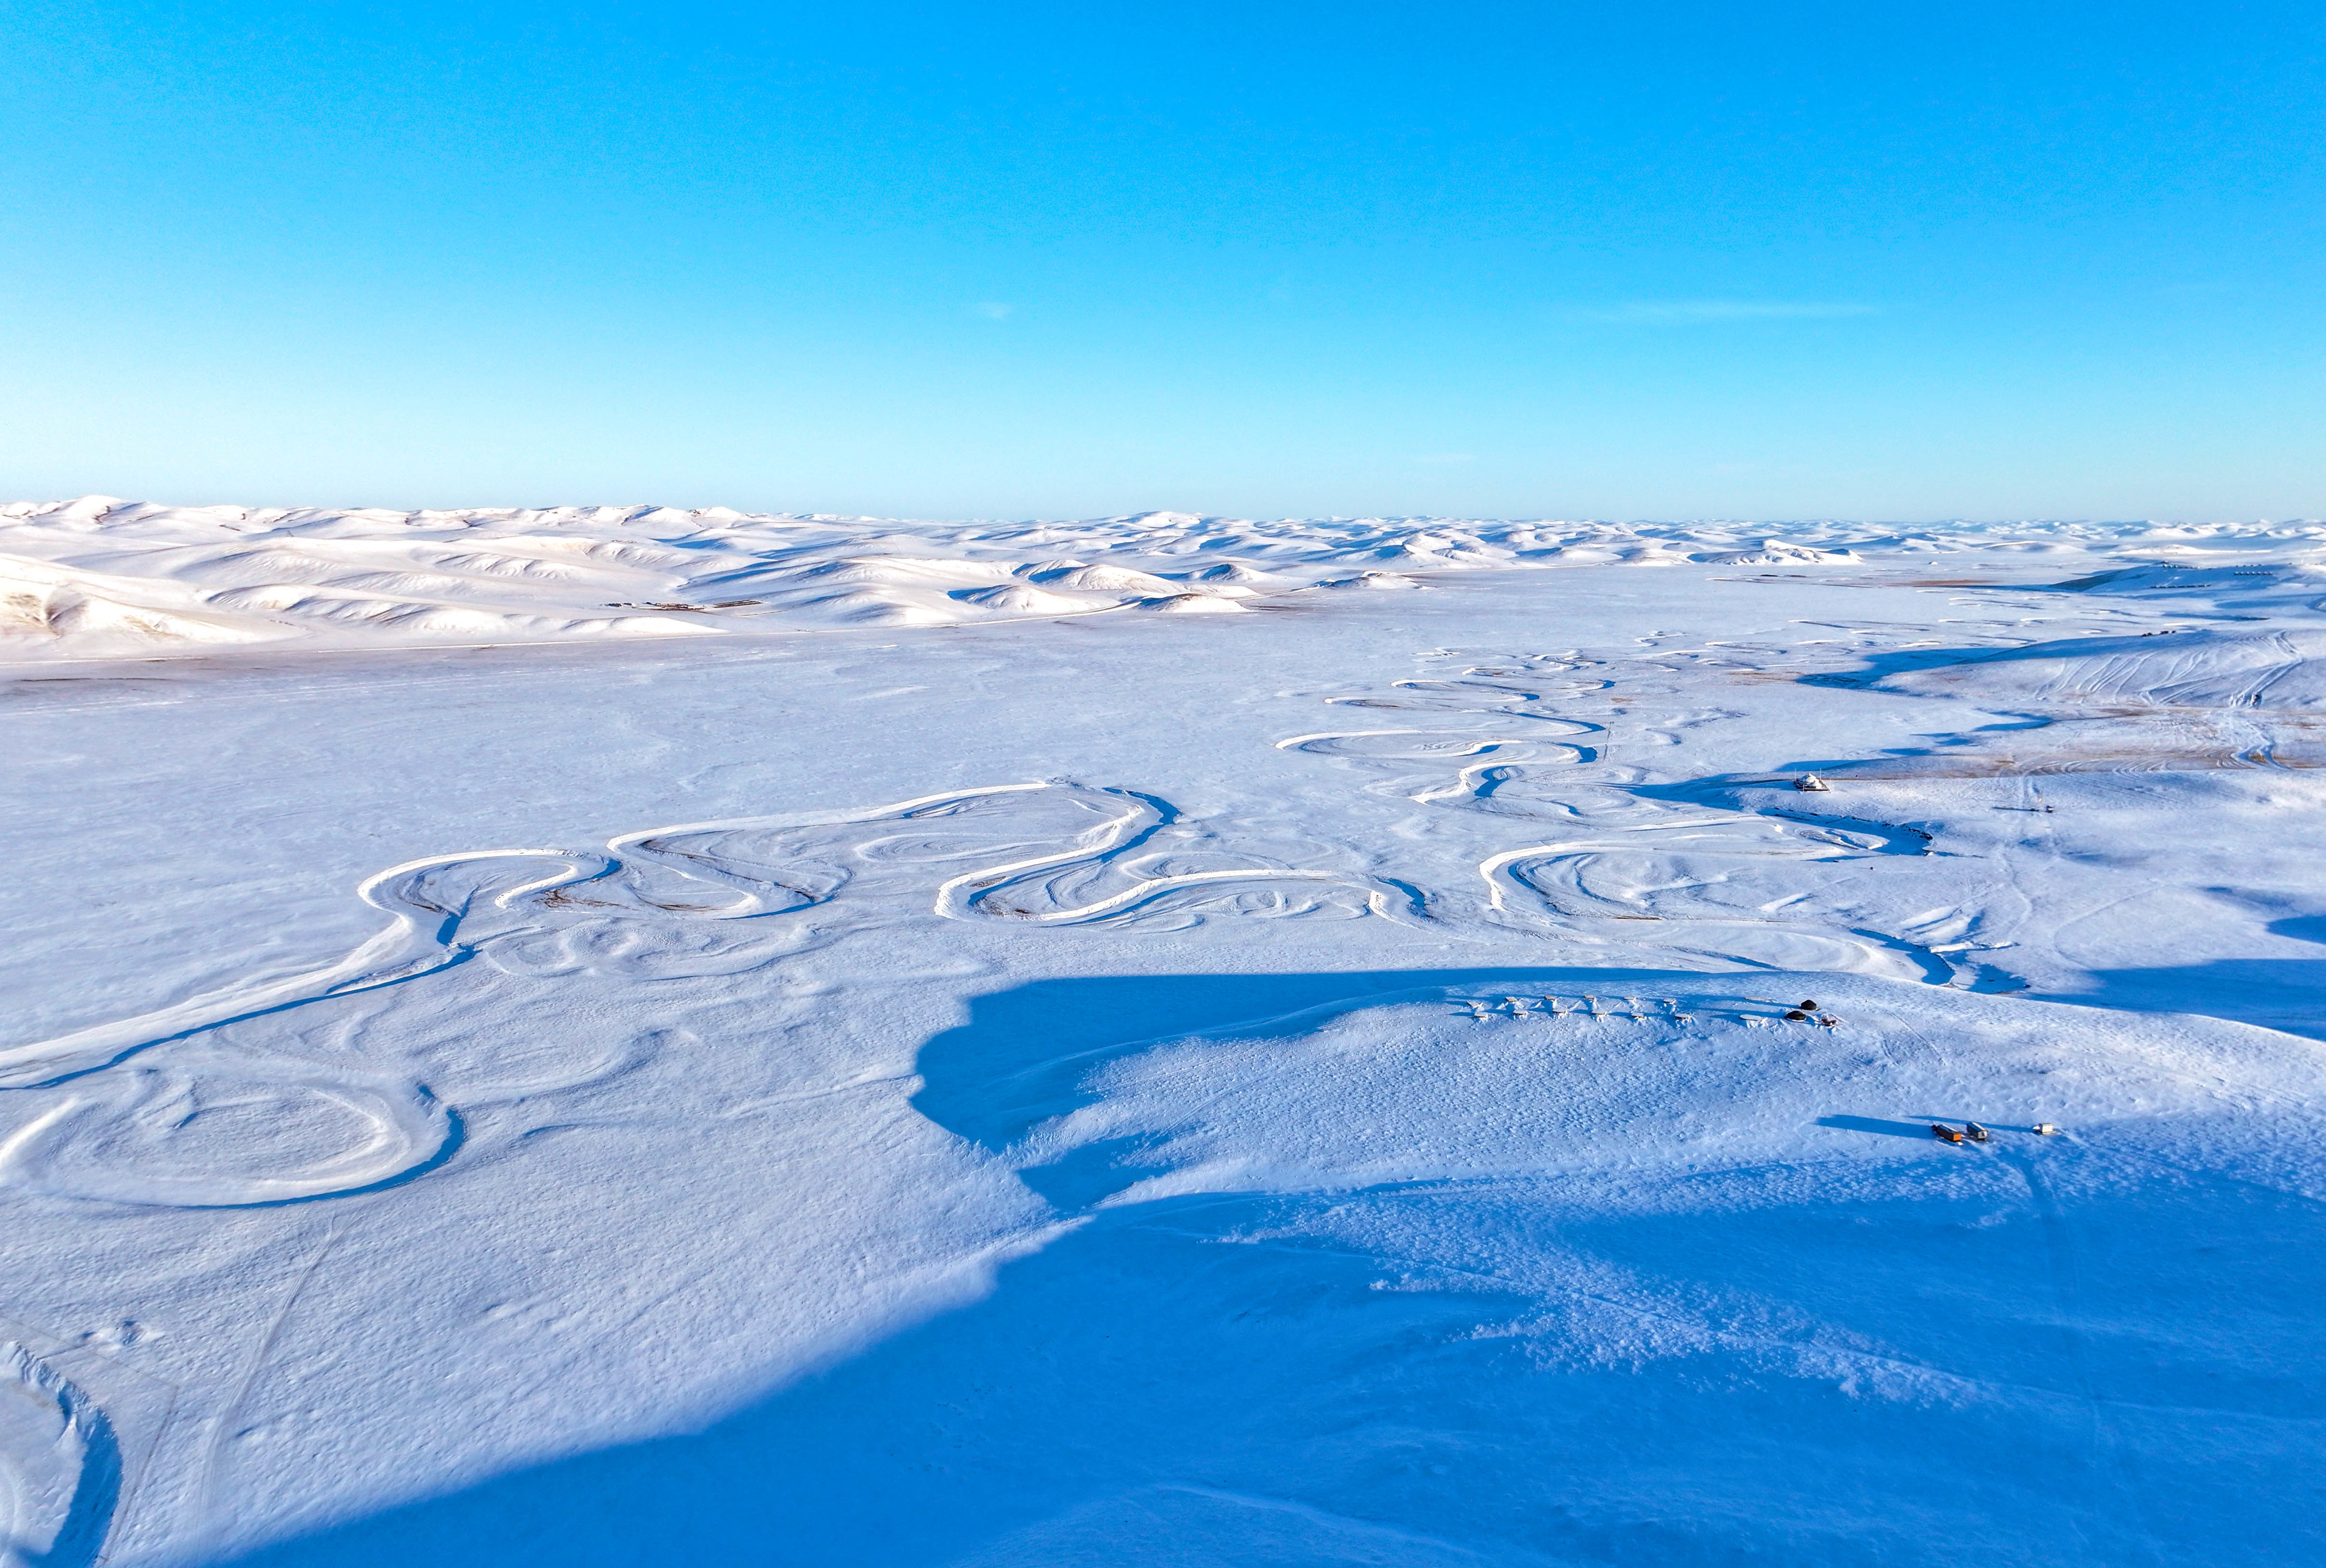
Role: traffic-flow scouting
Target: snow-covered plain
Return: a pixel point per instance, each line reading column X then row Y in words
column 625, row 1036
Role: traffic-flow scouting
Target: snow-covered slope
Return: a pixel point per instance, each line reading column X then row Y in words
column 1311, row 1087
column 2283, row 669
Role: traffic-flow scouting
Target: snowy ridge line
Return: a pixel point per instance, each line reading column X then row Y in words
column 1198, row 1099
column 100, row 578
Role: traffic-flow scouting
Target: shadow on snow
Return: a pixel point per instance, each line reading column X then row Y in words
column 1234, row 1378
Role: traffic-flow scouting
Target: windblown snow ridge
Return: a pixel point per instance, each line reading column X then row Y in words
column 101, row 578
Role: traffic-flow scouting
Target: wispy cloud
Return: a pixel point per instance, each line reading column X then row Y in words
column 1692, row 312
column 993, row 309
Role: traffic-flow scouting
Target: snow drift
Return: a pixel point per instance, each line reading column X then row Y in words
column 100, row 578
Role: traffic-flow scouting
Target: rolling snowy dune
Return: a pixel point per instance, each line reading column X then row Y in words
column 1388, row 1070
column 100, row 578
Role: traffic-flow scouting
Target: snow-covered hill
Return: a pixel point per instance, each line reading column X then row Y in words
column 98, row 577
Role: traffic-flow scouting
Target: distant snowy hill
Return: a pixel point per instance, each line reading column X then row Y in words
column 102, row 577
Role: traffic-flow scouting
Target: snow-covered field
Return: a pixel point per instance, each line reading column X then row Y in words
column 637, row 1036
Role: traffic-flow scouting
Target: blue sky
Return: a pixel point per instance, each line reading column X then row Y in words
column 1022, row 260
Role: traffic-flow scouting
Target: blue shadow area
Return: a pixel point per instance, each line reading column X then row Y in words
column 2287, row 995
column 2282, row 994
column 1876, row 667
column 79, row 1542
column 1878, row 1124
column 1470, row 1371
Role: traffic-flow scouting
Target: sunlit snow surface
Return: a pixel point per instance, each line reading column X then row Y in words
column 920, row 1062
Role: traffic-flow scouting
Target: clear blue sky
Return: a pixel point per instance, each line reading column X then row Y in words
column 1012, row 260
